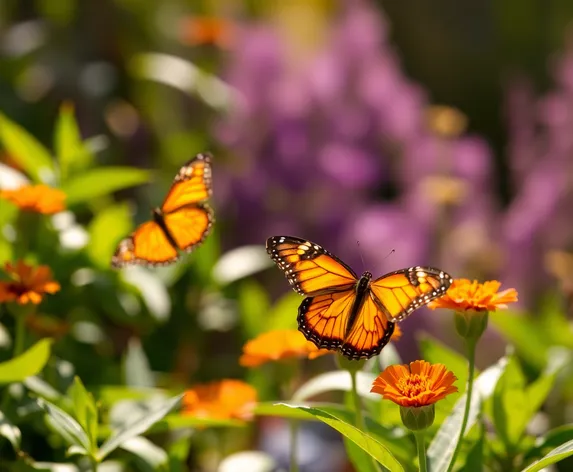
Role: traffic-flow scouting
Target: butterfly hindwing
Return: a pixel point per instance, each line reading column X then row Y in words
column 189, row 226
column 146, row 245
column 309, row 268
column 192, row 184
column 399, row 293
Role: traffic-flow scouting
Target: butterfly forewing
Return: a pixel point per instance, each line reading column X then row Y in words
column 189, row 226
column 309, row 268
column 191, row 185
column 399, row 293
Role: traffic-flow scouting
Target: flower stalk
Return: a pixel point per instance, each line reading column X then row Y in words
column 421, row 447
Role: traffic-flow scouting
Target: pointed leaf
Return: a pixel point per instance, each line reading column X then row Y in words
column 105, row 230
column 336, row 380
column 102, row 181
column 10, row 432
column 25, row 149
column 442, row 446
column 27, row 364
column 71, row 152
column 556, row 455
column 149, row 457
column 136, row 367
column 67, row 426
column 138, row 426
column 85, row 410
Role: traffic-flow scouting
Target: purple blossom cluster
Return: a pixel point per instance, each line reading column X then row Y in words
column 341, row 148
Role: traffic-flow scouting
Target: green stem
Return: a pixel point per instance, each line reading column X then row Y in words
column 293, row 446
column 471, row 346
column 20, row 334
column 421, row 446
column 357, row 402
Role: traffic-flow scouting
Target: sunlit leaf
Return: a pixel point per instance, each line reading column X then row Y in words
column 149, row 457
column 71, row 152
column 137, row 426
column 136, row 369
column 25, row 149
column 102, row 181
column 85, row 410
column 338, row 380
column 10, row 431
column 253, row 461
column 254, row 304
column 239, row 263
column 371, row 445
column 556, row 455
column 442, row 446
column 66, row 426
column 27, row 364
column 105, row 230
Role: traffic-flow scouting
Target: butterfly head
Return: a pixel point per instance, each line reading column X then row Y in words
column 364, row 281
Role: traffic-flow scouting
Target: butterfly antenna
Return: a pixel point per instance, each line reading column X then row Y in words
column 390, row 253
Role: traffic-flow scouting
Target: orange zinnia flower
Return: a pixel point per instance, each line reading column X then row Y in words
column 224, row 399
column 28, row 283
column 36, row 198
column 277, row 345
column 416, row 385
column 207, row 30
column 464, row 295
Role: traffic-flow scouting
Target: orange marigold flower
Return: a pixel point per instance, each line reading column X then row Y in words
column 277, row 345
column 36, row 198
column 28, row 283
column 416, row 385
column 200, row 30
column 465, row 295
column 224, row 399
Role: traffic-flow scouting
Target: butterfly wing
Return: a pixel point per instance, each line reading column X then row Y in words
column 189, row 226
column 309, row 268
column 324, row 320
column 147, row 245
column 192, row 184
column 399, row 293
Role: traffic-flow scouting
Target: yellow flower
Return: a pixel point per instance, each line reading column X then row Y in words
column 277, row 345
column 224, row 399
column 419, row 384
column 28, row 284
column 36, row 198
column 464, row 295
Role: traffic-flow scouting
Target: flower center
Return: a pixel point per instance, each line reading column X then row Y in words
column 413, row 385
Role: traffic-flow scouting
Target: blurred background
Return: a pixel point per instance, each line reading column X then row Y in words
column 441, row 130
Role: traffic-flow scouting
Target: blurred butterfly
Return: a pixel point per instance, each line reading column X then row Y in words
column 181, row 223
column 343, row 312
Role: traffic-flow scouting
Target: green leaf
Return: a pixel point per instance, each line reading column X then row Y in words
column 442, row 446
column 29, row 363
column 10, row 432
column 136, row 369
column 283, row 314
column 71, row 152
column 475, row 456
column 552, row 439
column 85, row 410
column 137, row 426
column 371, row 445
column 239, row 263
column 149, row 457
column 361, row 461
column 67, row 426
column 34, row 158
column 556, row 455
column 102, row 181
column 105, row 230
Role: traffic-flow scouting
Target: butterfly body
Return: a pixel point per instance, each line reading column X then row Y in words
column 181, row 223
column 344, row 312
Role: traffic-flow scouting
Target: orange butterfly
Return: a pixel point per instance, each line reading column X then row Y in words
column 182, row 223
column 344, row 312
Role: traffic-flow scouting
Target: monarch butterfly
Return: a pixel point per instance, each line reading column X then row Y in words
column 181, row 223
column 343, row 312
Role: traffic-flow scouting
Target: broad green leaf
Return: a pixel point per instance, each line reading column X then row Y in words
column 239, row 263
column 66, row 426
column 102, row 181
column 556, row 455
column 178, row 450
column 85, row 410
column 105, row 230
column 365, row 441
column 283, row 313
column 27, row 364
column 173, row 422
column 151, row 288
column 254, row 304
column 442, row 446
column 149, row 457
column 25, row 149
column 136, row 370
column 137, row 426
column 361, row 461
column 335, row 381
column 10, row 432
column 475, row 456
column 70, row 150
